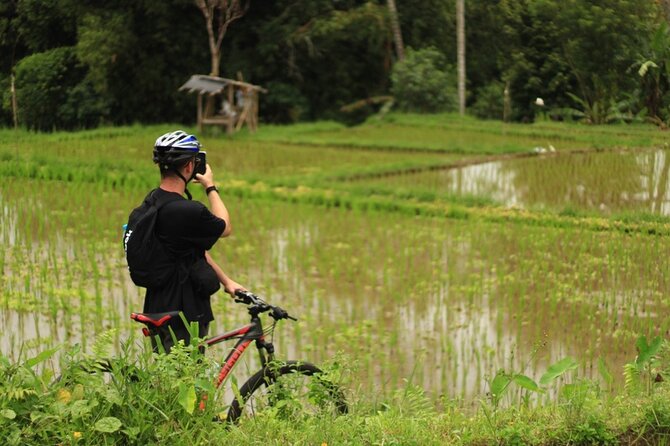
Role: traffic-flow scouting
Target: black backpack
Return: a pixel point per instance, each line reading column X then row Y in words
column 149, row 263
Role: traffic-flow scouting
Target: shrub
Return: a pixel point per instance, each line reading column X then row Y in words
column 490, row 101
column 83, row 108
column 284, row 104
column 423, row 82
column 52, row 92
column 42, row 82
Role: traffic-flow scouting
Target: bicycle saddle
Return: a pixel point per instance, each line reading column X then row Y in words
column 155, row 319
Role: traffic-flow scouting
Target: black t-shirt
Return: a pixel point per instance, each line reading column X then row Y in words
column 187, row 229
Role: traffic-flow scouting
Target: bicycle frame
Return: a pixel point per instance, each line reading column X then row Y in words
column 246, row 334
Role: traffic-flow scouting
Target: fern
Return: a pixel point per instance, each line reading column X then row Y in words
column 413, row 401
column 103, row 343
column 631, row 374
column 19, row 394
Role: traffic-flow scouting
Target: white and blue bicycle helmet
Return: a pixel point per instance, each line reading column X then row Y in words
column 172, row 150
column 175, row 147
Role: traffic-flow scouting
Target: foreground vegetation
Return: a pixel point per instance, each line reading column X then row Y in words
column 85, row 406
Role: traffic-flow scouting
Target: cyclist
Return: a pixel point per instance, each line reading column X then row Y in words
column 187, row 230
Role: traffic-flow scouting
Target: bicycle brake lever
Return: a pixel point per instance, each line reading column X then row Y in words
column 279, row 313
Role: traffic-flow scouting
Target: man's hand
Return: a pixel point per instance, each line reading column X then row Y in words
column 206, row 179
column 230, row 286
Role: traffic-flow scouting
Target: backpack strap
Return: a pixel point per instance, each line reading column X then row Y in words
column 161, row 200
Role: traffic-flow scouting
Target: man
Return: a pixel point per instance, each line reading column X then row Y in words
column 187, row 230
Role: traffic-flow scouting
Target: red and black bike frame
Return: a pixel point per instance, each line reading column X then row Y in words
column 246, row 334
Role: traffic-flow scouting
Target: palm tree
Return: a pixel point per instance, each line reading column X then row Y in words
column 460, row 32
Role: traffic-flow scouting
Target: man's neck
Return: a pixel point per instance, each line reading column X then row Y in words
column 173, row 184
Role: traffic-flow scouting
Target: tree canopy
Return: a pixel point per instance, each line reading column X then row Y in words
column 123, row 61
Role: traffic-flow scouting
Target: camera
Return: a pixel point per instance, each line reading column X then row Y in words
column 201, row 163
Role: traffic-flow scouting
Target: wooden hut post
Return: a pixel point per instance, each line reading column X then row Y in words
column 199, row 113
column 253, row 121
column 230, row 123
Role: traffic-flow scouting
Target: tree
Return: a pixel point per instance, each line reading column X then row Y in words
column 397, row 33
column 422, row 82
column 654, row 70
column 460, row 19
column 219, row 13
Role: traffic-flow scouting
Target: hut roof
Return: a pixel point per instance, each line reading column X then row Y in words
column 212, row 85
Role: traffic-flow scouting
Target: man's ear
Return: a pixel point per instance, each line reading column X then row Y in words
column 188, row 168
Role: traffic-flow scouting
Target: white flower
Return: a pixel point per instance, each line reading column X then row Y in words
column 540, row 102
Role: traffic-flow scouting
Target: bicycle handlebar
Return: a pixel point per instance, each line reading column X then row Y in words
column 259, row 305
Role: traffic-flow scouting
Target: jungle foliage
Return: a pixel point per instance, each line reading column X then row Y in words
column 126, row 59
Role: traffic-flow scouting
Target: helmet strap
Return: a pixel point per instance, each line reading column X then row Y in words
column 188, row 194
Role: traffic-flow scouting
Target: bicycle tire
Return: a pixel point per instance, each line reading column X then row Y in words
column 330, row 395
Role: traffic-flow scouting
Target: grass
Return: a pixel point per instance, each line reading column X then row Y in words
column 451, row 133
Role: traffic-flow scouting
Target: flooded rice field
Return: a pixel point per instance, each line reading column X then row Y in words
column 609, row 183
column 440, row 303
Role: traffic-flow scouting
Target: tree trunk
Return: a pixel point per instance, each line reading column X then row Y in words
column 219, row 14
column 397, row 33
column 15, row 111
column 216, row 62
column 507, row 103
column 460, row 31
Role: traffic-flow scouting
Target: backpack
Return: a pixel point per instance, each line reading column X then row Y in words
column 149, row 263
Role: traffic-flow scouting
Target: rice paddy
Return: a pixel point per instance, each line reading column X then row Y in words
column 408, row 295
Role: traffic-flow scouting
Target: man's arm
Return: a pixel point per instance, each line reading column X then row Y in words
column 217, row 207
column 229, row 285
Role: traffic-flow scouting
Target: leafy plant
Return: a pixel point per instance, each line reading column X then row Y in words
column 641, row 374
column 501, row 383
column 422, row 82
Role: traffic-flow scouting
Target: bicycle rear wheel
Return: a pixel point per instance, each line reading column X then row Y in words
column 291, row 390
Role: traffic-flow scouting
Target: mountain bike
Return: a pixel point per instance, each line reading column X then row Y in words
column 284, row 386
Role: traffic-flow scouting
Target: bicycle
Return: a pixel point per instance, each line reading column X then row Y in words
column 277, row 384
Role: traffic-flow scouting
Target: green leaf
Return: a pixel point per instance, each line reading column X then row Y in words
column 647, row 351
column 641, row 344
column 81, row 408
column 108, row 425
column 557, row 369
column 205, row 384
column 574, row 392
column 645, row 67
column 499, row 385
column 43, row 356
column 526, row 383
column 112, row 396
column 187, row 397
column 8, row 413
column 132, row 432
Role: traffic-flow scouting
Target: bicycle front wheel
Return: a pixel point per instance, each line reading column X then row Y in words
column 289, row 390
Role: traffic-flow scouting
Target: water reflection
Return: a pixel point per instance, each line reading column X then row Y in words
column 602, row 182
